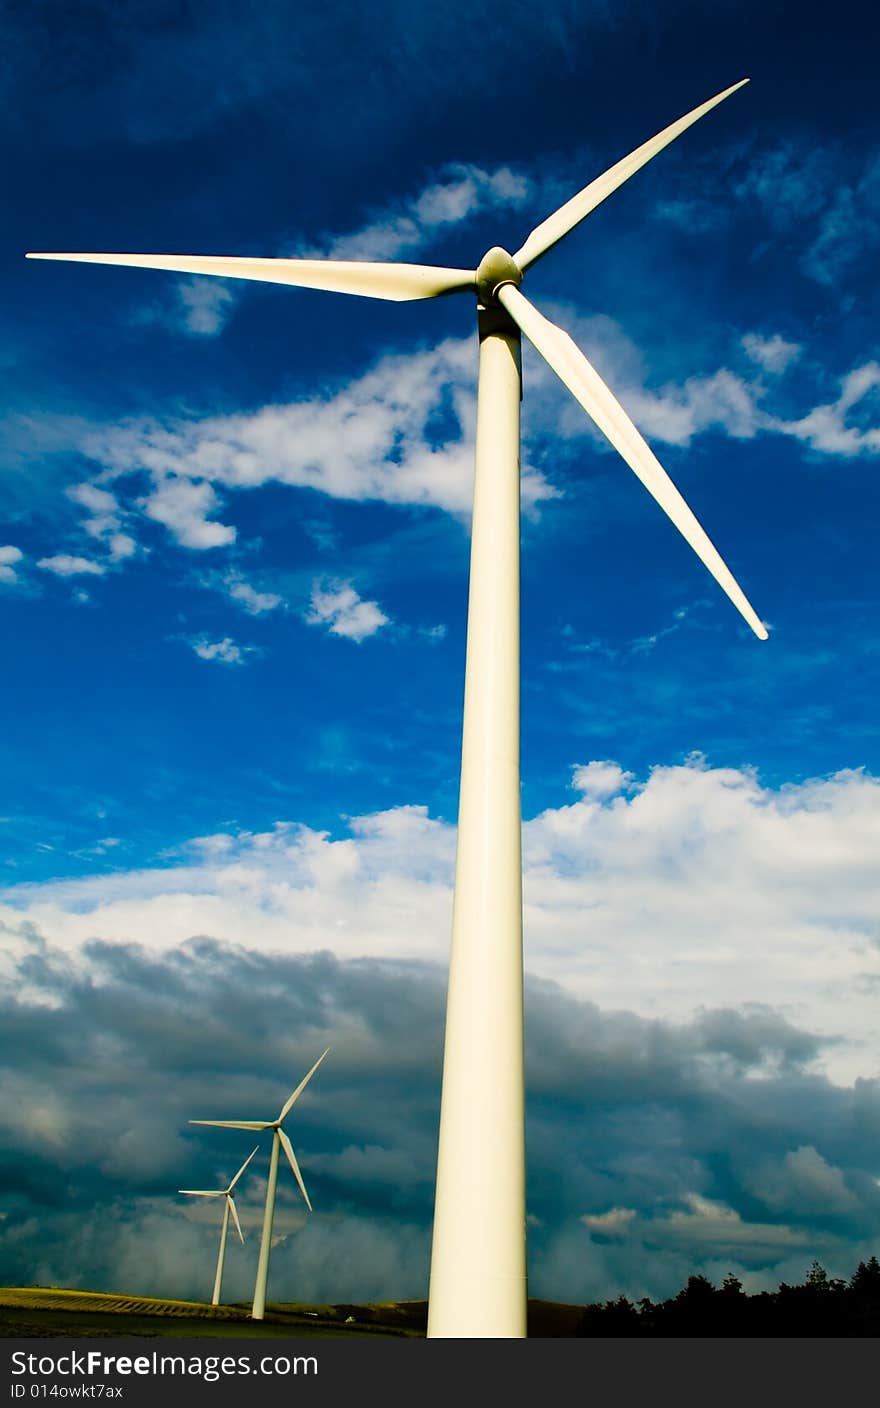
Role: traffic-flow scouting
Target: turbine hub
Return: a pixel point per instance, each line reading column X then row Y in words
column 496, row 268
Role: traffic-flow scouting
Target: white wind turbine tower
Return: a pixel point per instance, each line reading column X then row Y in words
column 228, row 1207
column 478, row 1267
column 279, row 1141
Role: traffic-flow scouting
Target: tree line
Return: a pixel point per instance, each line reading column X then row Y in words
column 821, row 1305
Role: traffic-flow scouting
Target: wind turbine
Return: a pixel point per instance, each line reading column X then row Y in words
column 228, row 1207
column 478, row 1265
column 279, row 1141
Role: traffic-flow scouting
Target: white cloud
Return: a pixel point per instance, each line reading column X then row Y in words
column 614, row 1223
column 828, row 200
column 183, row 506
column 720, row 401
column 791, row 181
column 121, row 546
column 805, row 1182
column 848, row 230
column 63, row 565
column 100, row 502
column 722, row 1228
column 339, row 607
column 205, row 305
column 9, row 556
column 600, row 779
column 224, row 651
column 673, row 414
column 239, row 590
column 694, row 888
column 774, row 354
column 402, row 433
column 698, row 216
column 202, row 306
column 460, row 192
column 825, row 427
column 106, row 519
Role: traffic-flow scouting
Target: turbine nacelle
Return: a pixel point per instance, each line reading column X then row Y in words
column 495, row 269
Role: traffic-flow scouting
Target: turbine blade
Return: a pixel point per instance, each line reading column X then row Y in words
column 396, row 282
column 291, row 1159
column 587, row 387
column 235, row 1124
column 545, row 235
column 241, row 1170
column 291, row 1101
column 203, row 1192
column 235, row 1217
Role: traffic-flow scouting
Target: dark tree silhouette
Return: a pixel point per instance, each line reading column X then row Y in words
column 822, row 1306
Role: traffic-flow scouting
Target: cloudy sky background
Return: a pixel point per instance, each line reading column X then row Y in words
column 233, row 572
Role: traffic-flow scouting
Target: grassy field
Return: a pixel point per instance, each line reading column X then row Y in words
column 27, row 1311
column 41, row 1311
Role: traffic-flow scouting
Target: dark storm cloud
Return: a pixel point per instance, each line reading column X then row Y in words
column 653, row 1149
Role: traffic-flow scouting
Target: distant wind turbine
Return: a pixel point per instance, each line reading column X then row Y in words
column 279, row 1141
column 228, row 1207
column 478, row 1263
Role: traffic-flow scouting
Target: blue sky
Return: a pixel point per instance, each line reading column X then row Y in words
column 233, row 574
